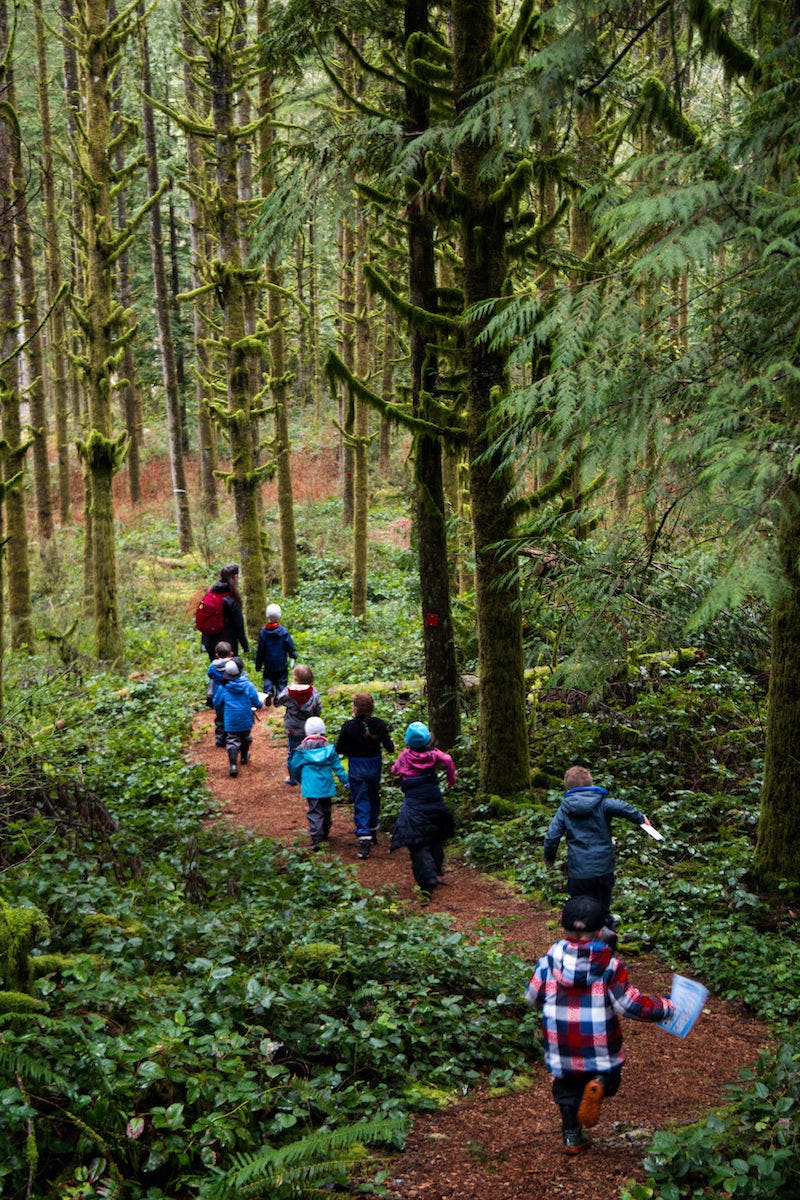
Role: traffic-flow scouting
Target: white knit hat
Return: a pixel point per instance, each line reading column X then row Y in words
column 315, row 726
column 273, row 612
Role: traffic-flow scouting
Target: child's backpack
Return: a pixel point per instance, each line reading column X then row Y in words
column 208, row 616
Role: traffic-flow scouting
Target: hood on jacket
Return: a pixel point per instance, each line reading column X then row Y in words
column 239, row 683
column 316, row 749
column 300, row 692
column 579, row 964
column 417, row 760
column 579, row 801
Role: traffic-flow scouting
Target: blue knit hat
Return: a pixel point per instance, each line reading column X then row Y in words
column 418, row 736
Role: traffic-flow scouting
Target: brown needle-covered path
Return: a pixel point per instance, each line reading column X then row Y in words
column 492, row 1147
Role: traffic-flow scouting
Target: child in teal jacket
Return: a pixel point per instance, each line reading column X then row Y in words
column 314, row 763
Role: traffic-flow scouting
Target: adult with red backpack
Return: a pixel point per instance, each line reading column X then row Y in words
column 219, row 616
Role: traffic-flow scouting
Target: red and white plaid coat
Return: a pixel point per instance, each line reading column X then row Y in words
column 582, row 990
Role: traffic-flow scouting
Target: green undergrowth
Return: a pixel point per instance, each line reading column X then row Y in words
column 212, row 1001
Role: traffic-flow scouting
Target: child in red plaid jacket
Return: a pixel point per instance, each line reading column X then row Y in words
column 582, row 990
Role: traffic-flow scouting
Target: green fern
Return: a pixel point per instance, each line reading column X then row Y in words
column 304, row 1169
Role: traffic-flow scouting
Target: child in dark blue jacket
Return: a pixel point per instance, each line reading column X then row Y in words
column 237, row 697
column 274, row 653
column 585, row 815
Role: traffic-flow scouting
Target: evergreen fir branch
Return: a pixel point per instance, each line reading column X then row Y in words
column 657, row 105
column 337, row 372
column 710, row 23
column 432, row 324
column 428, row 48
column 357, row 105
column 369, row 192
column 513, row 185
column 369, row 67
column 421, row 75
column 508, row 45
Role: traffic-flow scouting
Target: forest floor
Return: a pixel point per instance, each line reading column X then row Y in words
column 488, row 1147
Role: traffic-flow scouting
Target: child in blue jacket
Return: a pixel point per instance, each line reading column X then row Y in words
column 315, row 762
column 237, row 697
column 274, row 651
column 215, row 675
column 585, row 816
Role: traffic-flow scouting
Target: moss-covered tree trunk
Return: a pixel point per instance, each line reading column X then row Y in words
column 389, row 350
column 130, row 395
column 16, row 546
column 503, row 740
column 347, row 341
column 441, row 671
column 29, row 308
column 276, row 319
column 163, row 301
column 201, row 308
column 313, row 320
column 102, row 319
column 223, row 77
column 8, row 325
column 57, row 339
column 778, row 843
column 360, row 427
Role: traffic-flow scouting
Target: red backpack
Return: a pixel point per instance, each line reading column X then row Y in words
column 209, row 617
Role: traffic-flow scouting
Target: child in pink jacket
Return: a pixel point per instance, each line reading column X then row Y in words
column 424, row 822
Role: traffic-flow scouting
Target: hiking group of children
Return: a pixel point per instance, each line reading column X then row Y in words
column 580, row 985
column 424, row 823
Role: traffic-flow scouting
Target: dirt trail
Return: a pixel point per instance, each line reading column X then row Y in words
column 492, row 1147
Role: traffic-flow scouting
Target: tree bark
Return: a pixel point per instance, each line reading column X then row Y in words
column 232, row 282
column 441, row 671
column 313, row 320
column 290, row 572
column 29, row 307
column 103, row 321
column 502, row 733
column 57, row 340
column 163, row 304
column 777, row 853
column 347, row 337
column 201, row 308
column 360, row 427
column 16, row 545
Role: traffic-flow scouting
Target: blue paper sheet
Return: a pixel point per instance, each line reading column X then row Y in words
column 689, row 997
